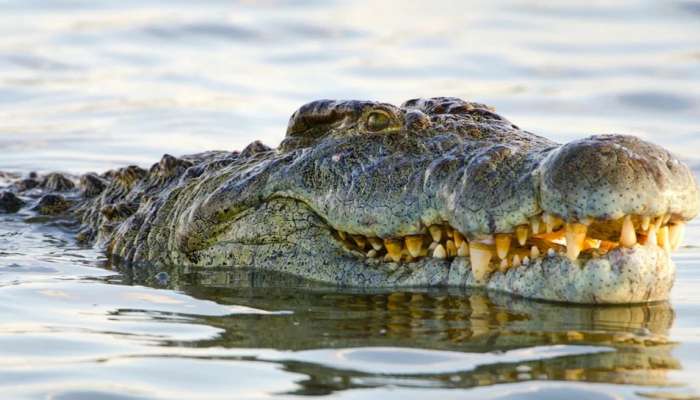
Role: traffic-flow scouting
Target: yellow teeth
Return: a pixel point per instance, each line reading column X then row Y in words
column 436, row 233
column 628, row 237
column 663, row 238
column 651, row 237
column 521, row 234
column 459, row 239
column 676, row 232
column 394, row 248
column 360, row 241
column 451, row 248
column 516, row 260
column 463, row 249
column 502, row 245
column 480, row 256
column 414, row 245
column 376, row 243
column 551, row 222
column 544, row 236
column 575, row 236
column 658, row 222
column 535, row 223
column 439, row 252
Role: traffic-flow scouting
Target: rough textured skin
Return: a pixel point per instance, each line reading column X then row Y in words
column 614, row 176
column 379, row 170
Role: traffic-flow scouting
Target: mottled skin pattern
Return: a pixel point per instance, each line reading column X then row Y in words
column 375, row 169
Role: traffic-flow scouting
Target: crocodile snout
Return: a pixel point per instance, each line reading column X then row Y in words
column 609, row 176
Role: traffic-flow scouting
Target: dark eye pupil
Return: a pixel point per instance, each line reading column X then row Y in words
column 377, row 121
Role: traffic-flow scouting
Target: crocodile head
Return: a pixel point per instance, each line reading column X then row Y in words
column 435, row 192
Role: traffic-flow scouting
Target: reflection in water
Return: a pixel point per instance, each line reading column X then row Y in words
column 293, row 337
column 450, row 320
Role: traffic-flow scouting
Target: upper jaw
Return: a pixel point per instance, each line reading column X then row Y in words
column 609, row 176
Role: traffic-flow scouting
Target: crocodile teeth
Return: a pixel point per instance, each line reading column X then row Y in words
column 551, row 222
column 459, row 239
column 502, row 245
column 521, row 233
column 414, row 245
column 542, row 236
column 394, row 247
column 516, row 260
column 439, row 252
column 535, row 223
column 463, row 249
column 651, row 237
column 676, row 233
column 575, row 236
column 480, row 256
column 436, row 233
column 658, row 222
column 628, row 237
column 451, row 248
column 663, row 238
column 360, row 241
column 376, row 243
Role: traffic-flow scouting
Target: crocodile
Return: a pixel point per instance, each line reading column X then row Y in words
column 437, row 192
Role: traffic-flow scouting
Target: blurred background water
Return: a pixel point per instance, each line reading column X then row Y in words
column 87, row 86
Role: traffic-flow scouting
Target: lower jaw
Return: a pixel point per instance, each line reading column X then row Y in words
column 625, row 275
column 637, row 274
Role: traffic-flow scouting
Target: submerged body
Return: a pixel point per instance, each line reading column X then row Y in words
column 437, row 192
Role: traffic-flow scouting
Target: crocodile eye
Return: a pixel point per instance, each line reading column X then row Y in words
column 377, row 120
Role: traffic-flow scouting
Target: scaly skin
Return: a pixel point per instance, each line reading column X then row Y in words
column 380, row 171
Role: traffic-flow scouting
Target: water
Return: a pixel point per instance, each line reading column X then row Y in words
column 93, row 85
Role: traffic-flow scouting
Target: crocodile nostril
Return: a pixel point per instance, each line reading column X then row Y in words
column 416, row 120
column 672, row 164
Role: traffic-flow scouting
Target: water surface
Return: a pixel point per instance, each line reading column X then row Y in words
column 87, row 86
